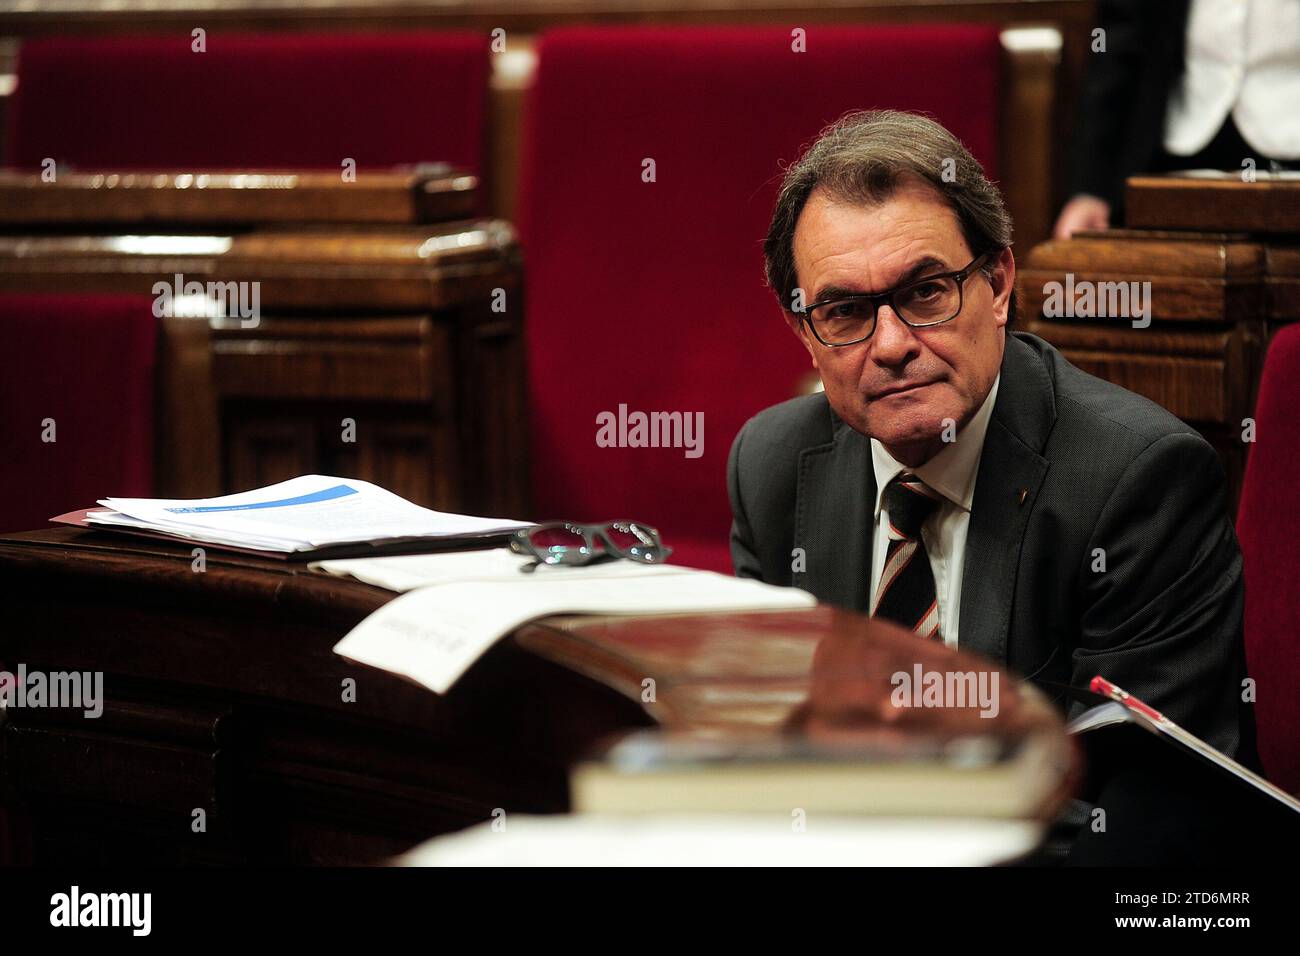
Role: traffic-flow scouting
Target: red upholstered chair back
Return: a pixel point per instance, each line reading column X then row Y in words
column 84, row 363
column 1268, row 525
column 284, row 101
column 650, row 295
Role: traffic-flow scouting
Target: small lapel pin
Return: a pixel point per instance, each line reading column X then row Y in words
column 1024, row 493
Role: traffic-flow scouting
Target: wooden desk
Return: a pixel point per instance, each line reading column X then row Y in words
column 371, row 313
column 223, row 694
column 434, row 194
column 1223, row 261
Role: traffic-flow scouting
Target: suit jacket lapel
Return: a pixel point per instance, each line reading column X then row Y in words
column 834, row 506
column 1010, row 474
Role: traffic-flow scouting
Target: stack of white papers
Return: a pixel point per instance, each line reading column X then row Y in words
column 300, row 515
column 729, row 840
column 434, row 632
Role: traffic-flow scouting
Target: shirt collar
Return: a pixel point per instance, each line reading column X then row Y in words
column 953, row 470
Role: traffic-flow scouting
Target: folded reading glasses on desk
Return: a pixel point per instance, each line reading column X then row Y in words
column 570, row 543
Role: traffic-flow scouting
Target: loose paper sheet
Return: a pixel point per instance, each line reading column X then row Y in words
column 410, row 571
column 730, row 839
column 433, row 634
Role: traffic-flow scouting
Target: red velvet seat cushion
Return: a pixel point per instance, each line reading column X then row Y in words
column 87, row 362
column 1268, row 524
column 651, row 294
column 713, row 554
column 276, row 101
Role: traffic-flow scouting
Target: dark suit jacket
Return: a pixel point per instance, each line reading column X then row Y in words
column 1100, row 468
column 1121, row 113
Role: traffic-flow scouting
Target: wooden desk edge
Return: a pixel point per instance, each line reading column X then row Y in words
column 344, row 601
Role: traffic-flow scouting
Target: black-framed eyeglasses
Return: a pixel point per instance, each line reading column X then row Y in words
column 573, row 544
column 921, row 303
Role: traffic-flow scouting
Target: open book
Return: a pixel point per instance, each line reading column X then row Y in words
column 313, row 516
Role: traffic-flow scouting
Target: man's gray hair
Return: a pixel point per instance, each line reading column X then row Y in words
column 862, row 158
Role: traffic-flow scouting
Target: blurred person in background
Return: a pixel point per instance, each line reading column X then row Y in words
column 1182, row 84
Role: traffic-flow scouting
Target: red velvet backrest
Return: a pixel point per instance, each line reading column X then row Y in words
column 78, row 369
column 1268, row 525
column 282, row 101
column 651, row 295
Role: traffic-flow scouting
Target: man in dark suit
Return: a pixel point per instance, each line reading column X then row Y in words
column 965, row 480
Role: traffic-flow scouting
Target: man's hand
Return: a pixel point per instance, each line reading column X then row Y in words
column 1082, row 212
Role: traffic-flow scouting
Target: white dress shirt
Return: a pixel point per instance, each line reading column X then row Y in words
column 951, row 473
column 1243, row 59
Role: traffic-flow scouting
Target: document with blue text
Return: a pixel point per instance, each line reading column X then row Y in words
column 305, row 515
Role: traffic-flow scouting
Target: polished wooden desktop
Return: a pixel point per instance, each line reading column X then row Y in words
column 433, row 193
column 223, row 695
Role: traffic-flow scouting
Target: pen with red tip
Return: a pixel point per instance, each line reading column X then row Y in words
column 1099, row 685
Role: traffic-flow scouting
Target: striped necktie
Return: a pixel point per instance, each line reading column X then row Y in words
column 906, row 592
